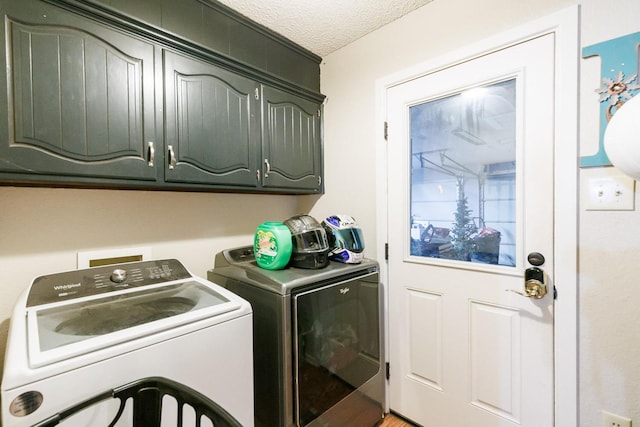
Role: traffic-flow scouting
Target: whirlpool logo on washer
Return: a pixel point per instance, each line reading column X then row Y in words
column 67, row 287
column 67, row 290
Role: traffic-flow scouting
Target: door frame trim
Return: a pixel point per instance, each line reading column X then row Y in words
column 564, row 24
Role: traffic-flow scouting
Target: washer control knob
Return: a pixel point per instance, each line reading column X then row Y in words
column 118, row 275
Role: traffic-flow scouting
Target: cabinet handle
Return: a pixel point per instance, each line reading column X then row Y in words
column 172, row 157
column 267, row 168
column 151, row 154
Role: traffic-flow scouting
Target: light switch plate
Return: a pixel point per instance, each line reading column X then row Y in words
column 607, row 189
column 613, row 420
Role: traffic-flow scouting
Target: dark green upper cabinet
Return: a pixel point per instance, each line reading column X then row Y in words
column 228, row 130
column 79, row 100
column 155, row 95
column 211, row 124
column 215, row 27
column 291, row 142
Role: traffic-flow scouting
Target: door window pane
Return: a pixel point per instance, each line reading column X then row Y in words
column 463, row 176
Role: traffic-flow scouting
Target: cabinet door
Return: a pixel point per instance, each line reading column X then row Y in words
column 79, row 99
column 291, row 142
column 212, row 131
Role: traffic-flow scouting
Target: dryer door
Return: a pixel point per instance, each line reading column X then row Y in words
column 337, row 349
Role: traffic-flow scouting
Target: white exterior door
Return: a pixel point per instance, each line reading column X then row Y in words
column 470, row 214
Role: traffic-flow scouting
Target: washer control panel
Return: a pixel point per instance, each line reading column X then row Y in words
column 98, row 280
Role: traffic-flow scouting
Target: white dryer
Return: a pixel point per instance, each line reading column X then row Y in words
column 139, row 344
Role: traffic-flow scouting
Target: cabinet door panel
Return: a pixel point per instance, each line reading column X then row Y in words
column 80, row 99
column 291, row 144
column 211, row 124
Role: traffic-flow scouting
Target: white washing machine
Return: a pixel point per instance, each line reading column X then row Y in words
column 139, row 344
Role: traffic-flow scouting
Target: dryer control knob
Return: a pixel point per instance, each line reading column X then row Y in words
column 118, row 275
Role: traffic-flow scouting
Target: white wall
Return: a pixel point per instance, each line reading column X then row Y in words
column 609, row 366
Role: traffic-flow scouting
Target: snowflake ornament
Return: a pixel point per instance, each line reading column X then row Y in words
column 617, row 90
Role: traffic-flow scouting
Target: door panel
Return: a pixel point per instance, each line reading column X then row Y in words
column 291, row 141
column 425, row 339
column 470, row 194
column 499, row 395
column 80, row 98
column 213, row 127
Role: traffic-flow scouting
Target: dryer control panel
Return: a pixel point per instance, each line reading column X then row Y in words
column 99, row 280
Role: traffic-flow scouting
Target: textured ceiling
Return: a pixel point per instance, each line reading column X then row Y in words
column 323, row 26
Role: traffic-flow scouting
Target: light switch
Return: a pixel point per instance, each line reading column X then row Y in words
column 612, row 191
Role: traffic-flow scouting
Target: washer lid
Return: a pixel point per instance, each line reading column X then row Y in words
column 62, row 330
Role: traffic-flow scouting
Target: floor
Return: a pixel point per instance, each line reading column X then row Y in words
column 391, row 420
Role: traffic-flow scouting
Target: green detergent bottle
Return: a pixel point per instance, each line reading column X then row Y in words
column 272, row 245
